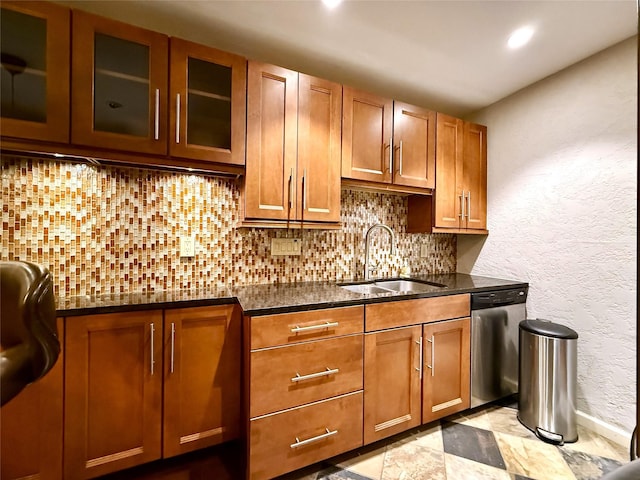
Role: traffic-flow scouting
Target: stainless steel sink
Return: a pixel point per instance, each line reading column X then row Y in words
column 366, row 288
column 391, row 286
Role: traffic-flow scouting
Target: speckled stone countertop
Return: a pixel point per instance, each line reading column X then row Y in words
column 274, row 298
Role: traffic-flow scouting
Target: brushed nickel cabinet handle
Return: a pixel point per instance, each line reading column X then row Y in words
column 310, row 328
column 304, row 189
column 153, row 334
column 462, row 197
column 328, row 371
column 391, row 156
column 173, row 343
column 177, row 118
column 291, row 189
column 432, row 341
column 156, row 120
column 400, row 157
column 469, row 205
column 419, row 342
column 300, row 443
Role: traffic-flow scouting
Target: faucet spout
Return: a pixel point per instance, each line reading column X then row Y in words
column 367, row 268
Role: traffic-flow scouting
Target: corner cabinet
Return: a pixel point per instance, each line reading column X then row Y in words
column 115, row 381
column 387, row 142
column 293, row 148
column 35, row 71
column 31, row 426
column 414, row 350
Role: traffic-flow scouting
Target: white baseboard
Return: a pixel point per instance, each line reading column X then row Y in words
column 615, row 434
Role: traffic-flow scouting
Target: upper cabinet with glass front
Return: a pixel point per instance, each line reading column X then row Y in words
column 208, row 103
column 34, row 42
column 120, row 85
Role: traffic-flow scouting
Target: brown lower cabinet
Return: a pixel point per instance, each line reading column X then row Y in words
column 115, row 378
column 31, row 426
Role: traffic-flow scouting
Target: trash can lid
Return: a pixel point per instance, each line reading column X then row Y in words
column 548, row 328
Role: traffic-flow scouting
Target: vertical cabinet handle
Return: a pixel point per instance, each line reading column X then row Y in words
column 469, row 205
column 304, row 189
column 462, row 197
column 177, row 118
column 153, row 334
column 391, row 155
column 291, row 189
column 419, row 342
column 432, row 341
column 173, row 344
column 400, row 158
column 156, row 120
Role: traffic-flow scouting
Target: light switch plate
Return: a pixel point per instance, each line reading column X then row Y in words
column 187, row 246
column 286, row 246
column 424, row 252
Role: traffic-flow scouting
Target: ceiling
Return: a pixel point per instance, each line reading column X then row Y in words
column 450, row 56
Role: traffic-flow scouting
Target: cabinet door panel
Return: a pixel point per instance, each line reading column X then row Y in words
column 270, row 181
column 31, row 426
column 448, row 207
column 414, row 137
column 208, row 103
column 113, row 381
column 391, row 382
column 366, row 136
column 202, row 377
column 319, row 144
column 447, row 358
column 119, row 97
column 35, row 70
column 475, row 175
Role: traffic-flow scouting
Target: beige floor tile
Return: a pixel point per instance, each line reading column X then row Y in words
column 475, row 418
column 594, row 444
column 410, row 461
column 505, row 420
column 429, row 436
column 533, row 458
column 459, row 468
column 368, row 463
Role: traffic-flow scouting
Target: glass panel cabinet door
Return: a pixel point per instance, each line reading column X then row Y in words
column 208, row 90
column 34, row 73
column 119, row 98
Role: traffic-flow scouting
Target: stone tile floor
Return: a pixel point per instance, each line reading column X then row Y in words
column 485, row 443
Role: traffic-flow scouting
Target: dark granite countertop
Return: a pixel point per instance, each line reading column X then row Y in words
column 274, row 298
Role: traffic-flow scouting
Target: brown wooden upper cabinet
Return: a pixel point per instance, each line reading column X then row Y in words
column 35, row 70
column 121, row 98
column 208, row 103
column 387, row 142
column 461, row 178
column 293, row 147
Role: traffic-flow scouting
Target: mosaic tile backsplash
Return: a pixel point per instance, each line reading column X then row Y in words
column 102, row 229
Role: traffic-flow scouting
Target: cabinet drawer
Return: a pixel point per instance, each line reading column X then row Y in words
column 301, row 436
column 286, row 328
column 326, row 368
column 412, row 312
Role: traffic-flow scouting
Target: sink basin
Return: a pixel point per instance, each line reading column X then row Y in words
column 366, row 288
column 407, row 285
column 391, row 286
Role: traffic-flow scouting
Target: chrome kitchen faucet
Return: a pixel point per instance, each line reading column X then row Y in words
column 367, row 268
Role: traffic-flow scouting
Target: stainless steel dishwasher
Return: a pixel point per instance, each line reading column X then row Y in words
column 495, row 317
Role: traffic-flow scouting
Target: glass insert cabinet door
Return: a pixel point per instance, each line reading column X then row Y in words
column 208, row 102
column 120, row 85
column 34, row 72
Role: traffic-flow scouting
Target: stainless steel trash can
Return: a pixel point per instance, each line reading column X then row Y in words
column 547, row 379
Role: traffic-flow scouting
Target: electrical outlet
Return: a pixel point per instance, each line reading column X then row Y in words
column 424, row 252
column 187, row 246
column 286, row 246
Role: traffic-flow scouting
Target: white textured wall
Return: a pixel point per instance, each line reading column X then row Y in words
column 562, row 203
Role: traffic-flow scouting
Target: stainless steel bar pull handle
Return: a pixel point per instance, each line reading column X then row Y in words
column 173, row 344
column 177, row 118
column 291, row 189
column 304, row 189
column 300, row 443
column 419, row 342
column 469, row 205
column 462, row 205
column 432, row 341
column 328, row 371
column 156, row 120
column 310, row 328
column 400, row 158
column 153, row 334
column 391, row 155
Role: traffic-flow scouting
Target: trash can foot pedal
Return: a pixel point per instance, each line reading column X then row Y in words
column 549, row 437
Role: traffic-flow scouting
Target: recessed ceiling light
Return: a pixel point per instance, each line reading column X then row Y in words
column 520, row 37
column 331, row 3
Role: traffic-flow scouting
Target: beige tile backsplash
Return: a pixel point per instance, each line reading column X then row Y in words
column 103, row 229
